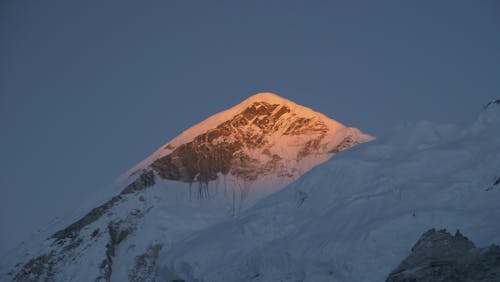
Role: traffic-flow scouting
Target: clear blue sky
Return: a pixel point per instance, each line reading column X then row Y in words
column 89, row 88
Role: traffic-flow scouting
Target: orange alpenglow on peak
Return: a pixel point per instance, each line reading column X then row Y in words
column 265, row 136
column 268, row 97
column 236, row 158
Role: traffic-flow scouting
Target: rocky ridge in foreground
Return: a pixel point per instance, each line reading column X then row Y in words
column 440, row 256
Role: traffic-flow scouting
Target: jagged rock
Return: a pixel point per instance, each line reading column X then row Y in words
column 145, row 180
column 224, row 148
column 440, row 256
column 145, row 265
column 347, row 143
column 492, row 103
column 37, row 269
column 73, row 230
column 118, row 231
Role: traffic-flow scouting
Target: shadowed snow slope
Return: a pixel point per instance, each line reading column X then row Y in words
column 355, row 217
column 206, row 175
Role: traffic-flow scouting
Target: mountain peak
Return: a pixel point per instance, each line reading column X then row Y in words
column 263, row 119
column 267, row 97
column 233, row 158
column 274, row 99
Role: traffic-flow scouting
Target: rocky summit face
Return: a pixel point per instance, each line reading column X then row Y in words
column 243, row 146
column 265, row 135
column 440, row 256
column 223, row 150
column 231, row 160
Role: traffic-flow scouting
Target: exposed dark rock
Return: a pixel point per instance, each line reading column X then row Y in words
column 310, row 147
column 346, row 143
column 198, row 159
column 220, row 150
column 145, row 265
column 169, row 147
column 440, row 256
column 497, row 181
column 40, row 268
column 280, row 112
column 73, row 244
column 492, row 103
column 146, row 179
column 118, row 231
column 255, row 276
column 72, row 231
column 298, row 127
column 95, row 233
column 301, row 197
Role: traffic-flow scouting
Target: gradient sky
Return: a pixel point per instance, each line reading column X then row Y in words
column 88, row 89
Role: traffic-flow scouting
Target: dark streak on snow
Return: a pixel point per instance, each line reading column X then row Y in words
column 497, row 181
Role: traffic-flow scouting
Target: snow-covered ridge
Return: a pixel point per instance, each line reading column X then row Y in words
column 207, row 175
column 355, row 217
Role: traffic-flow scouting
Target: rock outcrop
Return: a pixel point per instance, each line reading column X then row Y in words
column 440, row 256
column 227, row 148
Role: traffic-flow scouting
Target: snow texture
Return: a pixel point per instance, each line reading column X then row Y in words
column 356, row 217
column 125, row 232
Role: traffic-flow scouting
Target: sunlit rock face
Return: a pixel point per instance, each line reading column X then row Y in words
column 233, row 159
column 265, row 135
column 245, row 146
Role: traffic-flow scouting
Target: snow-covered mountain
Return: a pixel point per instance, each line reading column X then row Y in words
column 266, row 140
column 357, row 216
column 208, row 174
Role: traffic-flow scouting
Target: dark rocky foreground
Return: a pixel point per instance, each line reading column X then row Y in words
column 440, row 256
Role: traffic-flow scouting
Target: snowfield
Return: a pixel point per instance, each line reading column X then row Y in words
column 207, row 175
column 356, row 217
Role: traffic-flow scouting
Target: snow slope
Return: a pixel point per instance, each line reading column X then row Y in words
column 205, row 176
column 355, row 217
